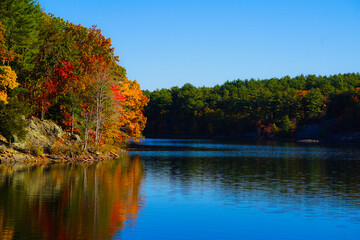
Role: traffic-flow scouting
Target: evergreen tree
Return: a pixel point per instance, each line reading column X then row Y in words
column 21, row 19
column 286, row 126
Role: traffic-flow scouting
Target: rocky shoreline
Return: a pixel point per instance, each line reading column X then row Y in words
column 47, row 142
column 9, row 155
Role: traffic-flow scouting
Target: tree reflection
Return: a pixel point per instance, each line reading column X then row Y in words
column 297, row 182
column 76, row 201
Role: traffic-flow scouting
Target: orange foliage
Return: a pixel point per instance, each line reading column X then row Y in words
column 88, row 89
column 303, row 93
column 129, row 119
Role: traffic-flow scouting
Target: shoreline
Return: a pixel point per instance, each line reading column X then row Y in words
column 10, row 155
column 48, row 142
column 348, row 138
column 13, row 155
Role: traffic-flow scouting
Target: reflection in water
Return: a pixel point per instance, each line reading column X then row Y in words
column 288, row 184
column 255, row 192
column 201, row 192
column 76, row 201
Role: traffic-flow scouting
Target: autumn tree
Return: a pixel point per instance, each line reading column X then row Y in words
column 12, row 111
column 70, row 89
column 102, row 94
column 68, row 73
column 7, row 82
column 56, row 52
column 130, row 116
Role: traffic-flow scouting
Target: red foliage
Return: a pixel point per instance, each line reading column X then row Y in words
column 118, row 97
column 48, row 94
column 65, row 70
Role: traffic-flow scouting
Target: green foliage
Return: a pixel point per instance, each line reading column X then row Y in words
column 270, row 106
column 12, row 120
column 21, row 18
column 35, row 150
column 62, row 66
column 314, row 103
column 286, row 126
column 65, row 71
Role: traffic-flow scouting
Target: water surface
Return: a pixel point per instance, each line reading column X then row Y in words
column 189, row 189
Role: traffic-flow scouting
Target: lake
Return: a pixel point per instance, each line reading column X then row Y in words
column 188, row 189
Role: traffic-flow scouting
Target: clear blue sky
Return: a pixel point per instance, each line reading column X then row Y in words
column 165, row 43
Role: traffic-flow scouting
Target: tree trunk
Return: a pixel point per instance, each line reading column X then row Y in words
column 72, row 121
column 42, row 110
column 86, row 137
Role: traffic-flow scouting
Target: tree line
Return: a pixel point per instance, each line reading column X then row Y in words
column 54, row 69
column 269, row 107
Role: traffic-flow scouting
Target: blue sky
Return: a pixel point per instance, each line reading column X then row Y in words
column 165, row 43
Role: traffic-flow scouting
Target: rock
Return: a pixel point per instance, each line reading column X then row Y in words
column 308, row 141
column 20, row 157
column 41, row 134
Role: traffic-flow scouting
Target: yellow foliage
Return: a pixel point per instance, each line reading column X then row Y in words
column 131, row 112
column 7, row 81
column 3, row 97
column 8, row 77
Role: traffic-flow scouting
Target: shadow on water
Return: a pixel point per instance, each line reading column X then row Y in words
column 69, row 201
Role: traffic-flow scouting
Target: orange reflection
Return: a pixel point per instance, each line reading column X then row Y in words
column 76, row 201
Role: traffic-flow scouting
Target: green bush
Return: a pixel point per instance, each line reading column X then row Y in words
column 12, row 120
column 36, row 150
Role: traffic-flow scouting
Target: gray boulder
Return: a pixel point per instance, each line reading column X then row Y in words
column 41, row 134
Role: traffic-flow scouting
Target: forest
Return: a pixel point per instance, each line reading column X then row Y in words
column 276, row 107
column 57, row 70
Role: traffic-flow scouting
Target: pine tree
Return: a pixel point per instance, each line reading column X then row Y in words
column 21, row 19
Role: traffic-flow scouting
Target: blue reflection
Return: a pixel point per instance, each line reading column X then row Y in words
column 215, row 190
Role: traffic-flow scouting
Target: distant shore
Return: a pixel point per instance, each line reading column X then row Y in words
column 348, row 138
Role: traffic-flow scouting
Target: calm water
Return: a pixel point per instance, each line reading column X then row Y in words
column 188, row 189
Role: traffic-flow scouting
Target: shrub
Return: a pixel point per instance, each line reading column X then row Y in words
column 36, row 150
column 12, row 120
